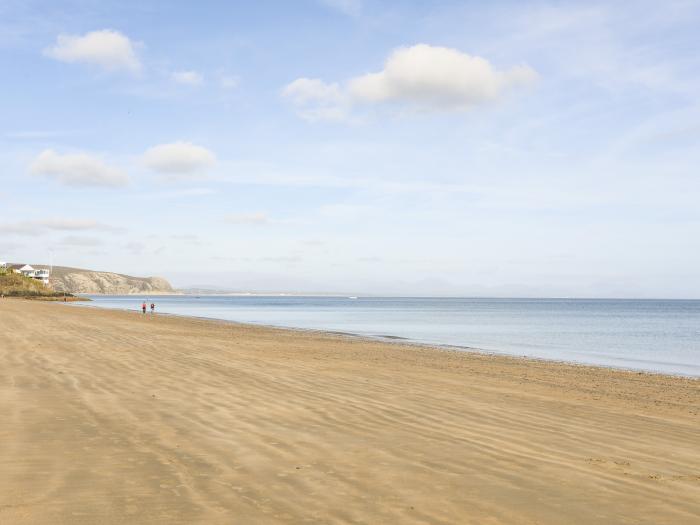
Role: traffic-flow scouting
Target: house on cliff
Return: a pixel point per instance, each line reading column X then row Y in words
column 40, row 274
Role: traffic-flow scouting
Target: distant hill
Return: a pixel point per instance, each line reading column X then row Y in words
column 76, row 280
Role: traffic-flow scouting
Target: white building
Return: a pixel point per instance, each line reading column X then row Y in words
column 40, row 274
column 3, row 265
column 43, row 275
column 26, row 270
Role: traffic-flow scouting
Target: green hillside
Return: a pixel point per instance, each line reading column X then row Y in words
column 16, row 285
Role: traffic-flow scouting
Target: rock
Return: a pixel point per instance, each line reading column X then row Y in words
column 73, row 280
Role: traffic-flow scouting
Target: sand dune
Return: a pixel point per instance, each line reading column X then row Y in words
column 115, row 417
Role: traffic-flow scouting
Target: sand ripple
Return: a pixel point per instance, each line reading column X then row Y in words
column 112, row 417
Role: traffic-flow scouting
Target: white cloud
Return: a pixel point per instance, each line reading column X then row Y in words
column 229, row 81
column 281, row 259
column 77, row 169
column 135, row 247
column 48, row 225
column 190, row 78
column 108, row 49
column 188, row 238
column 304, row 90
column 247, row 218
column 346, row 211
column 7, row 247
column 438, row 77
column 178, row 194
column 178, row 158
column 422, row 77
column 315, row 99
column 348, row 7
column 80, row 241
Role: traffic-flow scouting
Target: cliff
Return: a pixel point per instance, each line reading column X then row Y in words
column 75, row 280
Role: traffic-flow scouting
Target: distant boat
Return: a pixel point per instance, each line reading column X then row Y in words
column 352, row 297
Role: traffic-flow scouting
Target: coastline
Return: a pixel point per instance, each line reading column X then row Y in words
column 115, row 417
column 406, row 341
column 399, row 342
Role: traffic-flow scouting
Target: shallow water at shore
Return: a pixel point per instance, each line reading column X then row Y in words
column 650, row 335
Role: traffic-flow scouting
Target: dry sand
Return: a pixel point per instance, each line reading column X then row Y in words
column 113, row 417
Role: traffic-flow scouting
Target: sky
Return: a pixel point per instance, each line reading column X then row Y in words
column 538, row 149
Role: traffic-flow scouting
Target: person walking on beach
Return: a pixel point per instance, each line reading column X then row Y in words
column 153, row 308
column 143, row 307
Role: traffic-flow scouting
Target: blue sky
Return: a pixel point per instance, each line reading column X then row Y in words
column 445, row 147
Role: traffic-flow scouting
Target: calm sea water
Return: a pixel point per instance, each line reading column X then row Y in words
column 653, row 335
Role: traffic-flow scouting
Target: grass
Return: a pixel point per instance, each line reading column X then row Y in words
column 16, row 285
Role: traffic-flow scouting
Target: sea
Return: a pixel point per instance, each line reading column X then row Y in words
column 646, row 335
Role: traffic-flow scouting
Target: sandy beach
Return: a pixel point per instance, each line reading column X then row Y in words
column 116, row 417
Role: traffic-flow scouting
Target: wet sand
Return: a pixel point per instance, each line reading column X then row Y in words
column 116, row 417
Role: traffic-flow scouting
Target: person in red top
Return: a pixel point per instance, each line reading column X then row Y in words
column 143, row 307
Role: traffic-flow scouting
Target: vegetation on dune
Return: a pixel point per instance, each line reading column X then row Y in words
column 16, row 285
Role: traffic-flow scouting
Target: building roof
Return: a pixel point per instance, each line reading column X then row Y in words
column 26, row 267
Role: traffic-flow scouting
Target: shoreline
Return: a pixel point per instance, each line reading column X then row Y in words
column 399, row 340
column 381, row 296
column 115, row 417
